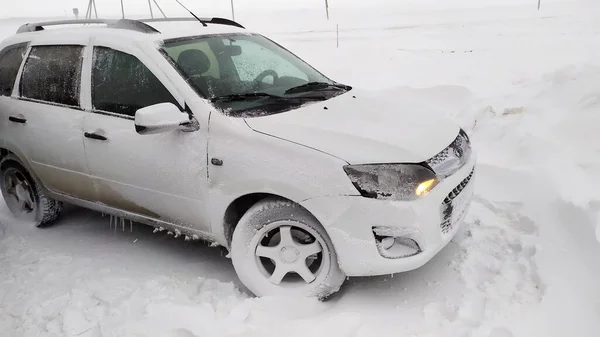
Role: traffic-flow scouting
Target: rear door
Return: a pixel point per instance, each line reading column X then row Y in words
column 159, row 176
column 11, row 58
column 46, row 118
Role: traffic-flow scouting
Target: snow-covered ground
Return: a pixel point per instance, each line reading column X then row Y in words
column 526, row 85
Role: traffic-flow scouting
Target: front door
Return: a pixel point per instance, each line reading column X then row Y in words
column 159, row 176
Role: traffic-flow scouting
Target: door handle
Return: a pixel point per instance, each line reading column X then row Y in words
column 17, row 119
column 94, row 136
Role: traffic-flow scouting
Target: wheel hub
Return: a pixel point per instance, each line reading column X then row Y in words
column 289, row 254
column 19, row 191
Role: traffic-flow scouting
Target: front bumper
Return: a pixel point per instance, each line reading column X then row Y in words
column 350, row 220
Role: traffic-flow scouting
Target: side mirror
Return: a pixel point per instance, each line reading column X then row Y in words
column 159, row 118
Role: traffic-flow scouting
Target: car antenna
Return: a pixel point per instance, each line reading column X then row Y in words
column 194, row 15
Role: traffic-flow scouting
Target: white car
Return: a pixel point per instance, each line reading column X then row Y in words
column 212, row 132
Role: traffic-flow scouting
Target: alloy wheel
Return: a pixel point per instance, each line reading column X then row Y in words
column 290, row 253
column 20, row 196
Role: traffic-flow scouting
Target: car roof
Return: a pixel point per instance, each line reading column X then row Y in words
column 80, row 33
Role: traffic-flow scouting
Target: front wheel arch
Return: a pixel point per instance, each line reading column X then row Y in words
column 237, row 208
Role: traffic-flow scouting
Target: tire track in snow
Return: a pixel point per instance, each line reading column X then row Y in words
column 498, row 269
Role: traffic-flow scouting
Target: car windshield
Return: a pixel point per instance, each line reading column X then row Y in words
column 248, row 75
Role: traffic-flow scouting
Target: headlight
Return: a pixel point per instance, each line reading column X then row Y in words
column 392, row 181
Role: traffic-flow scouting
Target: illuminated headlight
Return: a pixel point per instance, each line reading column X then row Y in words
column 392, row 181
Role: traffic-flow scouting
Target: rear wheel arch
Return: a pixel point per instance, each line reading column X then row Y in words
column 4, row 152
column 44, row 210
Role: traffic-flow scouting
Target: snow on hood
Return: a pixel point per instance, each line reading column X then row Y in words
column 360, row 127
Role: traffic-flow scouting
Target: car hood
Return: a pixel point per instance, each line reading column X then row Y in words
column 360, row 128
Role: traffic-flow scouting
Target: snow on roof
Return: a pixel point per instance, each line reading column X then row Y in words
column 82, row 33
column 191, row 28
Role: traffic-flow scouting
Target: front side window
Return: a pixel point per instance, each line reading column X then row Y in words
column 11, row 58
column 248, row 75
column 53, row 74
column 122, row 84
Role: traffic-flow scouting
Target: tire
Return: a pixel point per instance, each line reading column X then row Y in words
column 274, row 245
column 38, row 208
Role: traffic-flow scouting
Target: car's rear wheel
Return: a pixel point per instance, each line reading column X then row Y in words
column 23, row 195
column 280, row 249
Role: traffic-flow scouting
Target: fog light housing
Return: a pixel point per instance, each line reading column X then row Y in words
column 394, row 245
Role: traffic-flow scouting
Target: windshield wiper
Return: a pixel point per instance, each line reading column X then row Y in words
column 259, row 95
column 244, row 97
column 315, row 85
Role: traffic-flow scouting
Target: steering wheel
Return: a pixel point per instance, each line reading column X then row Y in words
column 269, row 72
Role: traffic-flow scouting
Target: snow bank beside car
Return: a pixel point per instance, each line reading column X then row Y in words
column 535, row 218
column 547, row 144
column 553, row 137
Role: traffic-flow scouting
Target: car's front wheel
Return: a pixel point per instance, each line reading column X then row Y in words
column 280, row 249
column 23, row 195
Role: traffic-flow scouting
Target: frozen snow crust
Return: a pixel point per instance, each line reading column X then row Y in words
column 525, row 85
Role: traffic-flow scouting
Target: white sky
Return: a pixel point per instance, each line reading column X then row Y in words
column 24, row 8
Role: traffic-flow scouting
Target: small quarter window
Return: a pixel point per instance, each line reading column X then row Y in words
column 53, row 74
column 10, row 61
column 122, row 84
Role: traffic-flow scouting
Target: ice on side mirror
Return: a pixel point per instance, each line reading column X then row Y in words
column 158, row 118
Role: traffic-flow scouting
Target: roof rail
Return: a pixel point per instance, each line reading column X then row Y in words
column 135, row 25
column 216, row 21
column 119, row 24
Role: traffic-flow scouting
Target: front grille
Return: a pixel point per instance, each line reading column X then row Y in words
column 447, row 208
column 453, row 157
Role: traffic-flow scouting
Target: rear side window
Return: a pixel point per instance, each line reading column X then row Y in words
column 122, row 84
column 53, row 74
column 10, row 61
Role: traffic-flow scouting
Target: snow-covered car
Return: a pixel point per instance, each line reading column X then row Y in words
column 216, row 133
